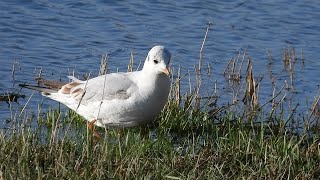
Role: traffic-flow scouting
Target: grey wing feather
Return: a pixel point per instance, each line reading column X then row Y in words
column 106, row 87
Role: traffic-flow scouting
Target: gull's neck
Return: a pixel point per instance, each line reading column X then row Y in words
column 150, row 79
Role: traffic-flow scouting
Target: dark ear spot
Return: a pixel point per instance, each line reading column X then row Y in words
column 148, row 58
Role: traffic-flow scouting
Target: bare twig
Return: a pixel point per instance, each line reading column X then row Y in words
column 24, row 107
column 198, row 70
column 103, row 65
column 202, row 46
column 130, row 65
column 84, row 92
column 102, row 97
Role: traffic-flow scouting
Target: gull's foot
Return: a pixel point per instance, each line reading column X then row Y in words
column 91, row 128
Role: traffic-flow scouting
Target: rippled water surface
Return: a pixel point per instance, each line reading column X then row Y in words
column 60, row 36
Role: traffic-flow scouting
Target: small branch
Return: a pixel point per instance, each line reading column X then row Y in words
column 201, row 49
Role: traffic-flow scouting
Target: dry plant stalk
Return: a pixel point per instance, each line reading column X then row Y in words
column 14, row 68
column 198, row 69
column 227, row 67
column 291, row 73
column 286, row 58
column 102, row 97
column 197, row 102
column 54, row 132
column 39, row 74
column 208, row 70
column 202, row 46
column 103, row 65
column 315, row 110
column 289, row 58
column 233, row 73
column 84, row 92
column 130, row 65
column 178, row 95
column 251, row 92
column 273, row 104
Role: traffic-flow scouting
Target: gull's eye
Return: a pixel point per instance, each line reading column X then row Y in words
column 156, row 61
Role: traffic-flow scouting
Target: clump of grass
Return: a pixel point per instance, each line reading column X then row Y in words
column 183, row 145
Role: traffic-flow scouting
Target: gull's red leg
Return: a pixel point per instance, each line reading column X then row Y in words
column 91, row 128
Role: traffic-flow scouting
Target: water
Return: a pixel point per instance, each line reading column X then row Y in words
column 61, row 36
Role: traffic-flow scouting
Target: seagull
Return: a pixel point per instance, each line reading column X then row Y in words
column 117, row 100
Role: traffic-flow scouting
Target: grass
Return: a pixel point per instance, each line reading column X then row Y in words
column 194, row 137
column 182, row 145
